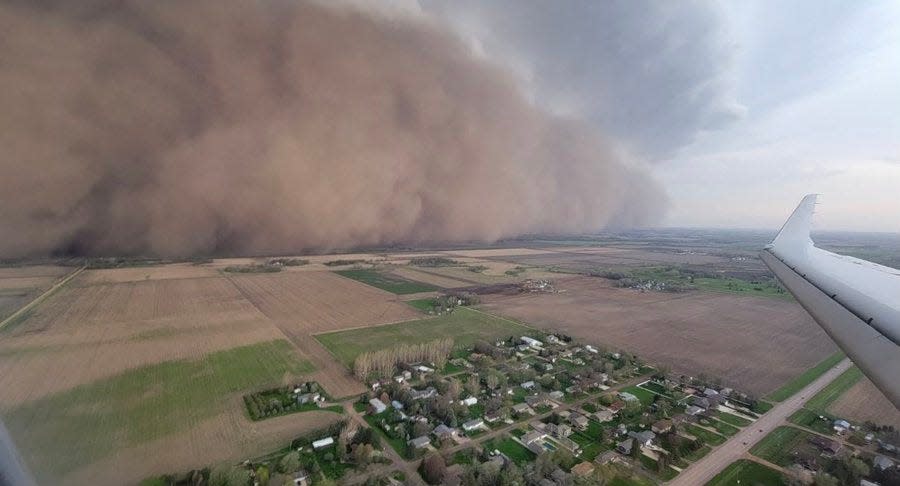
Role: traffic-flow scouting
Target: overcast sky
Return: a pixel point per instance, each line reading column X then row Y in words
column 740, row 108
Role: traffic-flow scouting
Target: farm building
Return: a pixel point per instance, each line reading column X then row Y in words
column 469, row 401
column 318, row 444
column 377, row 406
column 534, row 343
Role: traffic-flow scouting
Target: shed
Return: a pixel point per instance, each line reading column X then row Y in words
column 377, row 405
column 318, row 444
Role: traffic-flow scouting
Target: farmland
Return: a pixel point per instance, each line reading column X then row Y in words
column 820, row 401
column 464, row 326
column 717, row 334
column 863, row 402
column 19, row 285
column 386, row 281
column 776, row 446
column 85, row 424
column 747, row 472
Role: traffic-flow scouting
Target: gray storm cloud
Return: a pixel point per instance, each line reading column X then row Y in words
column 180, row 128
column 653, row 74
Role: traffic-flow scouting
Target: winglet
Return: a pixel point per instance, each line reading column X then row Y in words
column 794, row 235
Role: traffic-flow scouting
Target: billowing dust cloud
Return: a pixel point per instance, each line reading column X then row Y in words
column 181, row 128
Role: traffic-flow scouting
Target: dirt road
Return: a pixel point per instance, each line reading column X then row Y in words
column 733, row 449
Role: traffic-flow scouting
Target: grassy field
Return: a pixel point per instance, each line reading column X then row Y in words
column 733, row 285
column 776, row 446
column 806, row 378
column 820, row 401
column 723, row 428
column 464, row 325
column 78, row 426
column 707, row 436
column 732, row 419
column 747, row 472
column 515, row 451
column 384, row 281
column 645, row 396
column 810, row 419
column 423, row 305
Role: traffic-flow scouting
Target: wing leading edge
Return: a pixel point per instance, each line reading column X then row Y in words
column 855, row 301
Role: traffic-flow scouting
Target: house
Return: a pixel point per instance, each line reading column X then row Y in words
column 407, row 375
column 701, row 402
column 661, row 426
column 579, row 421
column 537, row 400
column 400, row 379
column 573, row 389
column 604, row 415
column 301, row 478
column 423, row 369
column 422, row 394
column 693, row 410
column 377, row 406
column 561, row 430
column 420, row 442
column 827, row 446
column 307, row 398
column 865, row 482
column 582, row 469
column 882, row 463
column 591, row 349
column 396, row 404
column 532, row 437
column 556, row 395
column 725, row 392
column 442, row 431
column 870, row 437
column 616, row 406
column 521, row 408
column 560, row 477
column 318, row 444
column 644, row 437
column 473, row 424
column 492, row 417
column 709, row 392
column 625, row 446
column 534, row 343
column 469, row 401
column 841, row 426
column 552, row 339
column 628, row 397
column 528, row 385
column 606, row 458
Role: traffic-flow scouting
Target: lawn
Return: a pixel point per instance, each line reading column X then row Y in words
column 645, row 396
column 732, row 419
column 384, row 281
column 698, row 454
column 464, row 325
column 807, row 377
column 707, row 436
column 91, row 421
column 810, row 419
column 820, row 401
column 743, row 471
column 776, row 446
column 723, row 428
column 515, row 451
column 396, row 443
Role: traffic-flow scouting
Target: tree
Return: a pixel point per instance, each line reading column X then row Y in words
column 825, row 479
column 453, row 389
column 362, row 454
column 433, row 469
column 289, row 463
column 473, row 386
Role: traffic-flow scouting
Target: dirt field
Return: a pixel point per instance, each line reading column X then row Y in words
column 20, row 285
column 865, row 402
column 303, row 303
column 429, row 277
column 138, row 274
column 754, row 344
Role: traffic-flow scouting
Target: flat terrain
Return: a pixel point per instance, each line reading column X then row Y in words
column 19, row 285
column 756, row 343
column 747, row 472
column 465, row 326
column 387, row 281
column 864, row 402
column 63, row 431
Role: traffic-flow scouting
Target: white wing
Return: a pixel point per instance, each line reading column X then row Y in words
column 855, row 301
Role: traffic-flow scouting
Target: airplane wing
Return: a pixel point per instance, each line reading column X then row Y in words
column 855, row 301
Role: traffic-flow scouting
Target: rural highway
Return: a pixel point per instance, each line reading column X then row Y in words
column 734, row 448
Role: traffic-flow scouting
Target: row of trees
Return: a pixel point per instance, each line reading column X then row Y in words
column 382, row 363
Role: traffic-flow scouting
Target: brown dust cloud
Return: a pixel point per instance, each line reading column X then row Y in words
column 176, row 128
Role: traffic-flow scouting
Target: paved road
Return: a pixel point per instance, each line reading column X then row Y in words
column 733, row 449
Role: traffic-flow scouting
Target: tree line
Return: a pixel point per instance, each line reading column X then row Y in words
column 382, row 363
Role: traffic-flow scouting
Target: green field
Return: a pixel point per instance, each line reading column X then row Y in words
column 810, row 419
column 645, row 396
column 820, row 401
column 423, row 305
column 464, row 325
column 385, row 281
column 723, row 428
column 733, row 285
column 707, row 436
column 515, row 451
column 776, row 446
column 744, row 472
column 808, row 376
column 732, row 419
column 78, row 426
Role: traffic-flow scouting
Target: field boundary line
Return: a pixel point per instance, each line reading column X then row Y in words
column 37, row 300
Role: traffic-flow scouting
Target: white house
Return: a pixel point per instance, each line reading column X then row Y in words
column 591, row 349
column 318, row 444
column 377, row 405
column 469, row 401
column 534, row 343
column 397, row 405
column 473, row 424
column 528, row 385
